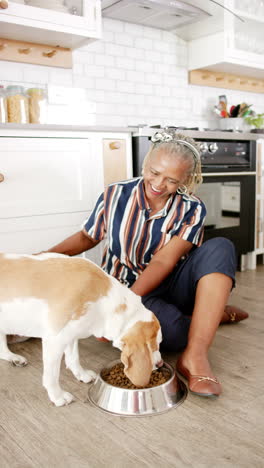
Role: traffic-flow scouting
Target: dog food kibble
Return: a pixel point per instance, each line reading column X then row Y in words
column 115, row 376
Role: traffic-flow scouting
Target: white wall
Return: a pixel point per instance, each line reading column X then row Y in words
column 135, row 74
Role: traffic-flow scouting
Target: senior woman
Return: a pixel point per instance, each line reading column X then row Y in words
column 153, row 231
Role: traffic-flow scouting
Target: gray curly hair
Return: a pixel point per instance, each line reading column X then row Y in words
column 179, row 146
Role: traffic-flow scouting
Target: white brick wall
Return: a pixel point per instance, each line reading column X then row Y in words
column 135, row 74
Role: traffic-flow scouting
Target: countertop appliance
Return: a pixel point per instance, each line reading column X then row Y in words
column 229, row 181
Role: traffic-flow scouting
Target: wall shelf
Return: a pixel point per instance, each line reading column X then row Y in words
column 37, row 54
column 203, row 77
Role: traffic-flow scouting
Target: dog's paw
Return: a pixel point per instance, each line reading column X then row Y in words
column 86, row 376
column 65, row 399
column 19, row 361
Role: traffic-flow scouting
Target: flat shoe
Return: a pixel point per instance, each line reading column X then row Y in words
column 204, row 386
column 234, row 314
column 102, row 338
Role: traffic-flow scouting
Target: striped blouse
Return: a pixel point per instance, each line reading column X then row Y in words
column 122, row 217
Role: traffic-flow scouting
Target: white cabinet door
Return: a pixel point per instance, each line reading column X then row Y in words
column 48, row 175
column 236, row 44
column 45, row 26
column 37, row 233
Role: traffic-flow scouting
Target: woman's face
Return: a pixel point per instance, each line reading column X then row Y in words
column 163, row 174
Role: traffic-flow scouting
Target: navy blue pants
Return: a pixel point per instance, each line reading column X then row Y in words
column 173, row 301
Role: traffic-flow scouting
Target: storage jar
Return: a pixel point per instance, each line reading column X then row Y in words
column 37, row 105
column 17, row 104
column 3, row 106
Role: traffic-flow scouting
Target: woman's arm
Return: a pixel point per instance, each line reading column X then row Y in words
column 161, row 265
column 75, row 244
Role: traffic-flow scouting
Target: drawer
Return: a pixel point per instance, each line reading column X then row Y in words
column 37, row 233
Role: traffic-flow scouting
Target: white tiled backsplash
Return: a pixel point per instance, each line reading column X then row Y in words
column 135, row 74
column 70, row 106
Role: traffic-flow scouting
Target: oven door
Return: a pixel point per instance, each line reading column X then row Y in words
column 230, row 203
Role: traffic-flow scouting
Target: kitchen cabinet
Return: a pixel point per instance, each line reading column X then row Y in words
column 49, row 183
column 115, row 160
column 249, row 261
column 260, row 198
column 236, row 46
column 55, row 28
column 47, row 175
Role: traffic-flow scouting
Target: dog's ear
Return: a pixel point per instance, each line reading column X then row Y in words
column 137, row 360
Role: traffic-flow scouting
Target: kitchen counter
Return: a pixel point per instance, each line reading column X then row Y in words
column 67, row 128
column 205, row 134
column 145, row 131
column 220, row 135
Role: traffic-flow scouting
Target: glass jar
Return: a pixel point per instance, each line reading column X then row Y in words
column 3, row 106
column 17, row 104
column 37, row 105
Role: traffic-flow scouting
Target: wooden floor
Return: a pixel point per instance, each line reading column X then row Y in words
column 228, row 432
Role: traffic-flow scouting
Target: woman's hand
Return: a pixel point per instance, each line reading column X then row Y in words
column 75, row 244
column 161, row 265
column 3, row 4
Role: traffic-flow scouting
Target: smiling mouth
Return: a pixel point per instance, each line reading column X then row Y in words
column 158, row 192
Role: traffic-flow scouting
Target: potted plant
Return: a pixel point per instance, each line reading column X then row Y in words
column 257, row 120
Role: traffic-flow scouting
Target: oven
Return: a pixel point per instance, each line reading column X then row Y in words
column 228, row 188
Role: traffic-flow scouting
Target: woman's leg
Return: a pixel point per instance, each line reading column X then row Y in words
column 173, row 302
column 212, row 269
column 174, row 324
column 211, row 297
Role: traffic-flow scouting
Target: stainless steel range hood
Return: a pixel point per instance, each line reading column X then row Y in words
column 162, row 14
column 189, row 19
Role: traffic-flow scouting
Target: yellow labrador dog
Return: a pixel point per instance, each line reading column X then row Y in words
column 62, row 299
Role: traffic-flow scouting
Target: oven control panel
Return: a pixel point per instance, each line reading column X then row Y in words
column 227, row 155
column 216, row 155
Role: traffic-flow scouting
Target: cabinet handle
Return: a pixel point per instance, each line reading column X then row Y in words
column 114, row 145
column 3, row 4
column 2, row 178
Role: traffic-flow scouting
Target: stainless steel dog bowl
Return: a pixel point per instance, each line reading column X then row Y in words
column 137, row 402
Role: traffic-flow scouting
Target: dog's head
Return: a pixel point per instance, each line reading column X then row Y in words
column 140, row 351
